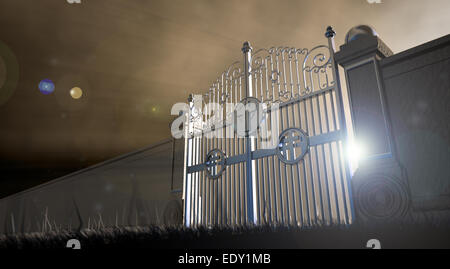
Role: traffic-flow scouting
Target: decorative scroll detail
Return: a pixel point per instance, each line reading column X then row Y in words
column 283, row 73
column 225, row 89
column 278, row 75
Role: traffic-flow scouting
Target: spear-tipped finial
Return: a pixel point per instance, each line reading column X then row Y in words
column 246, row 47
column 330, row 32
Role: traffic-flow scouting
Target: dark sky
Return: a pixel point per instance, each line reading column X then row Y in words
column 133, row 59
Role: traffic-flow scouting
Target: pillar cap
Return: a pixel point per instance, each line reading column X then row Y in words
column 362, row 42
column 359, row 31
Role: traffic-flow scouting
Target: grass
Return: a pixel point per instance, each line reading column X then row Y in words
column 391, row 235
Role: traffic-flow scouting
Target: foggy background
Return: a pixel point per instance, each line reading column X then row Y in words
column 135, row 59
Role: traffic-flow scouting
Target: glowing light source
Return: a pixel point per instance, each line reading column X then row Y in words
column 76, row 92
column 356, row 152
column 46, row 86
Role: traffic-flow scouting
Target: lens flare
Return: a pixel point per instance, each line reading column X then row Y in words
column 46, row 86
column 356, row 153
column 76, row 92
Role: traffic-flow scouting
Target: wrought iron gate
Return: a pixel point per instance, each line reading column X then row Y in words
column 287, row 165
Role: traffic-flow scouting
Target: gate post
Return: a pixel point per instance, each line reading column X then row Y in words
column 330, row 34
column 250, row 142
column 379, row 185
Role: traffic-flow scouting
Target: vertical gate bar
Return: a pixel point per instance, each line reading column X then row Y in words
column 280, row 119
column 257, row 215
column 292, row 124
column 228, row 168
column 284, row 192
column 216, row 145
column 213, row 146
column 188, row 182
column 298, row 167
column 202, row 211
column 325, row 178
column 191, row 205
column 275, row 200
column 332, row 163
column 206, row 178
column 291, row 78
column 280, row 193
column 200, row 183
column 274, row 177
column 240, row 166
column 294, row 206
column 317, row 153
column 239, row 185
column 197, row 187
column 286, row 180
column 224, row 146
column 197, row 184
column 222, row 178
column 268, row 189
column 201, row 158
column 250, row 141
column 235, row 176
column 258, row 164
column 304, row 165
column 185, row 173
column 209, row 139
column 330, row 34
column 194, row 180
column 219, row 179
column 300, row 79
column 310, row 164
column 263, row 203
column 341, row 175
column 194, row 175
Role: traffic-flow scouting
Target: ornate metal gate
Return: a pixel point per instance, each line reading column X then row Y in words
column 286, row 164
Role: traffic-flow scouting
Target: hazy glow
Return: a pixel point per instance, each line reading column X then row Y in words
column 76, row 93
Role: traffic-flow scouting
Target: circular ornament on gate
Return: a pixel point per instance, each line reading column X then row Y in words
column 293, row 145
column 215, row 163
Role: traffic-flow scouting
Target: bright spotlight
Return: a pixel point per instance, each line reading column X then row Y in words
column 356, row 153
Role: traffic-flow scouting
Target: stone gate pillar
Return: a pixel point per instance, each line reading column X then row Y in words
column 379, row 185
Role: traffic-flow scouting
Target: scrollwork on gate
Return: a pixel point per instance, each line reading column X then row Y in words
column 278, row 75
column 284, row 73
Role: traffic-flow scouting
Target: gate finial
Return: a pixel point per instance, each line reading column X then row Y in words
column 330, row 32
column 246, row 47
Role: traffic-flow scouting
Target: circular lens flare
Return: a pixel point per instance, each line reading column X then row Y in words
column 46, row 86
column 76, row 92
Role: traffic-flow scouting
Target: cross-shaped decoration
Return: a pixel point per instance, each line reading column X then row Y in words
column 293, row 145
column 215, row 163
